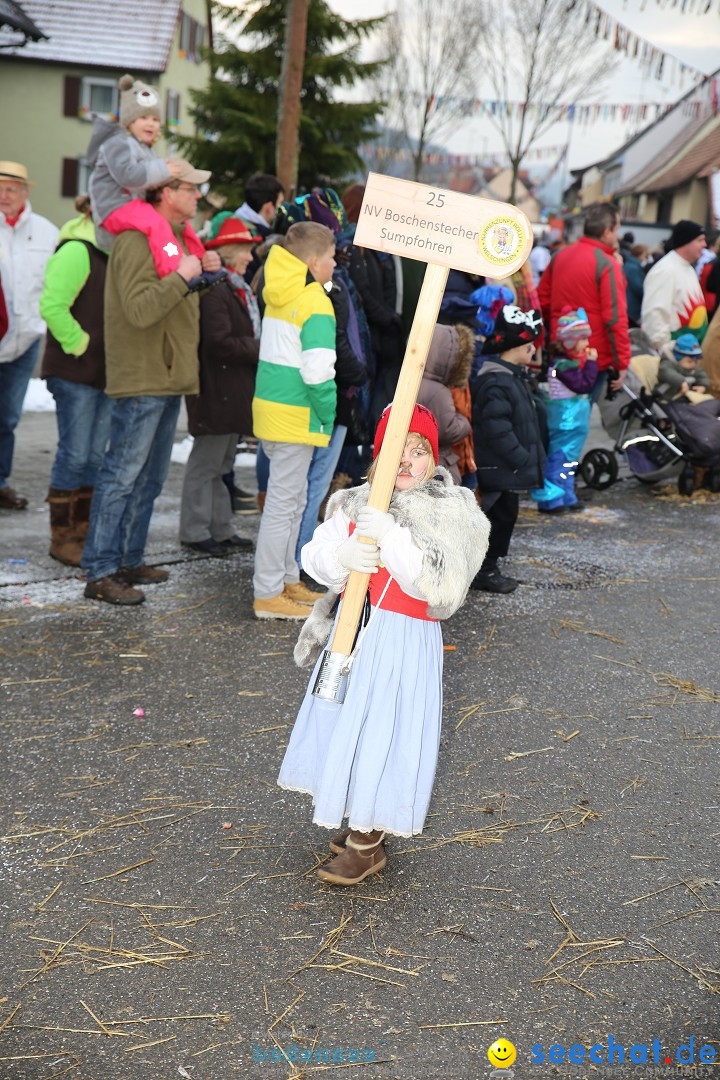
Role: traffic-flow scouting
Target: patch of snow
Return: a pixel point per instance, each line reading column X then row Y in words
column 38, row 398
column 181, row 453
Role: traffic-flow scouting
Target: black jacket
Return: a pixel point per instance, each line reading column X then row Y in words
column 350, row 372
column 228, row 364
column 374, row 279
column 509, row 451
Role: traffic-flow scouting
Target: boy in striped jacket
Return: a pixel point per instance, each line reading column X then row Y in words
column 293, row 407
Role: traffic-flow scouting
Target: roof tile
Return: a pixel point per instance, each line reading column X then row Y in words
column 134, row 34
column 697, row 161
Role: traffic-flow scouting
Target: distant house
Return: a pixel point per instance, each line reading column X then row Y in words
column 498, row 187
column 675, row 183
column 664, row 172
column 50, row 87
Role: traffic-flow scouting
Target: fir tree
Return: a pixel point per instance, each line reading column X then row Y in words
column 236, row 116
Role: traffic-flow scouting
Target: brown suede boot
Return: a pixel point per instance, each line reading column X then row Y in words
column 64, row 544
column 82, row 501
column 363, row 855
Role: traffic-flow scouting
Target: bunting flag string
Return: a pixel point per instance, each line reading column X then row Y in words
column 386, row 154
column 655, row 61
column 705, row 102
column 687, row 7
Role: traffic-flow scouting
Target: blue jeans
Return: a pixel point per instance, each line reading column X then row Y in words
column 83, row 422
column 322, row 470
column 14, row 379
column 262, row 468
column 131, row 477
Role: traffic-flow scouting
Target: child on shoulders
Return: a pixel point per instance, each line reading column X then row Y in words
column 125, row 167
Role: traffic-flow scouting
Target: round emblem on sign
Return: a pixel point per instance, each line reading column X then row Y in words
column 501, row 239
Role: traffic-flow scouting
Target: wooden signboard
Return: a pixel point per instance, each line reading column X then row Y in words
column 446, row 230
column 464, row 232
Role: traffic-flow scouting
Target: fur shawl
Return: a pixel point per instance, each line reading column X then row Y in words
column 446, row 524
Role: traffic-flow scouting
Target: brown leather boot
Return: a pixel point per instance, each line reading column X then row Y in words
column 363, row 855
column 64, row 544
column 82, row 500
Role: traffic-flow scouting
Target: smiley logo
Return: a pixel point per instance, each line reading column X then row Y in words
column 501, row 1054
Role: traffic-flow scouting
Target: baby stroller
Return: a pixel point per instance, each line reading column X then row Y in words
column 659, row 442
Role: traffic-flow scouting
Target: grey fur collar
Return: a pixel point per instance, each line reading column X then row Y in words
column 449, row 528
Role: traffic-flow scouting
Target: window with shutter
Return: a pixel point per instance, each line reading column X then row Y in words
column 98, row 97
column 71, row 102
column 69, row 184
column 172, row 108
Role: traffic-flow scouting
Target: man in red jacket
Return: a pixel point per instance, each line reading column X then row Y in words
column 588, row 274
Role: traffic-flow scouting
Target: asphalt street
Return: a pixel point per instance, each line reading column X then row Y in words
column 160, row 913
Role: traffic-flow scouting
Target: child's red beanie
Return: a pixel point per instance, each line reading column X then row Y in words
column 422, row 423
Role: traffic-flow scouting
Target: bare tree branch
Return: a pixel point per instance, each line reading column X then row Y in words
column 431, row 50
column 544, row 53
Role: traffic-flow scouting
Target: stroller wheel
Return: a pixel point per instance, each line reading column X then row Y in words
column 599, row 469
column 686, row 480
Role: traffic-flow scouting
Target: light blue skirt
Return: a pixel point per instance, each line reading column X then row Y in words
column 373, row 758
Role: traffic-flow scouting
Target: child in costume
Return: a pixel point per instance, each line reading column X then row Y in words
column 445, row 391
column 372, row 759
column 680, row 373
column 572, row 374
column 124, row 167
column 507, row 418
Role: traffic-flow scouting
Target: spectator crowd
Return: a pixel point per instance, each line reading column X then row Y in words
column 274, row 326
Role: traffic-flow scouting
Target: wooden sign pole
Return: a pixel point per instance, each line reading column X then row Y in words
column 388, row 462
column 446, row 229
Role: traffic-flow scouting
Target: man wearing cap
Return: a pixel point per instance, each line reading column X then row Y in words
column 151, row 344
column 673, row 301
column 27, row 241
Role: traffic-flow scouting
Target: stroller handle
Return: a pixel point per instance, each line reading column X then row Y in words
column 612, row 374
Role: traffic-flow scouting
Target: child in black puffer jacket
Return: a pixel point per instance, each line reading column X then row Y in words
column 509, row 449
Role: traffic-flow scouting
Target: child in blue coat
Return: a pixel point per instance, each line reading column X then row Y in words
column 571, row 378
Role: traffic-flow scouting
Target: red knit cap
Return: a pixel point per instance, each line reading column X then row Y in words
column 422, row 423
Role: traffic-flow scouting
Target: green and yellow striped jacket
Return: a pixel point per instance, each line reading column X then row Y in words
column 295, row 393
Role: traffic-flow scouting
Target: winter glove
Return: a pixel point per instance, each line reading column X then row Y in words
column 373, row 523
column 352, row 555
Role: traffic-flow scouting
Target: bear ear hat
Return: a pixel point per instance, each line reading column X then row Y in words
column 126, row 82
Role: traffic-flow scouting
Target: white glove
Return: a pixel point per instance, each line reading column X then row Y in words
column 373, row 523
column 352, row 555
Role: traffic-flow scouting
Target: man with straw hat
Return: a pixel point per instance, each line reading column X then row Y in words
column 27, row 241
